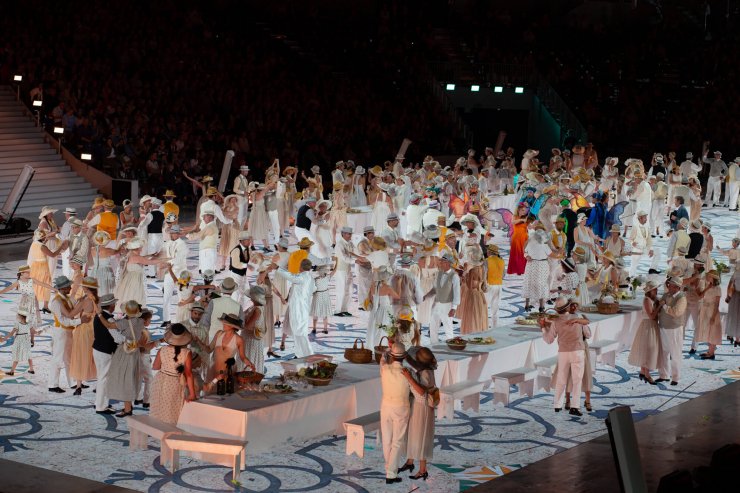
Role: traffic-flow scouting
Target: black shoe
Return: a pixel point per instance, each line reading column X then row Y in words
column 557, row 409
column 165, row 323
column 423, row 476
column 658, row 380
column 31, row 372
column 272, row 354
column 57, row 390
column 146, row 405
column 575, row 412
column 691, row 351
column 313, row 332
column 123, row 413
column 45, row 310
column 641, row 377
column 325, row 331
column 392, row 480
column 77, row 391
column 674, row 383
column 653, row 271
column 106, row 411
column 707, row 356
column 339, row 314
column 347, row 314
column 82, row 386
column 406, row 467
column 137, row 402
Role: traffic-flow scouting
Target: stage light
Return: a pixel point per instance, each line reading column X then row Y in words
column 58, row 130
column 37, row 103
column 86, row 157
column 498, row 89
column 17, row 78
column 475, row 88
column 450, row 87
column 518, row 90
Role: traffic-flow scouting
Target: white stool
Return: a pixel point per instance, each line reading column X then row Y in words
column 605, row 351
column 356, row 429
column 142, row 426
column 468, row 391
column 502, row 382
column 211, row 445
column 544, row 373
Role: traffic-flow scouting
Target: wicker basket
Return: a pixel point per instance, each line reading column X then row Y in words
column 380, row 349
column 357, row 355
column 247, row 377
column 319, row 382
column 607, row 308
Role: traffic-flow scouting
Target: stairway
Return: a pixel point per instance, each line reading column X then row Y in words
column 54, row 184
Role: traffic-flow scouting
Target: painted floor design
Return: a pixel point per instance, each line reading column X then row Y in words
column 61, row 431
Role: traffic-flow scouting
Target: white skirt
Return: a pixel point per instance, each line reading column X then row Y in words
column 535, row 285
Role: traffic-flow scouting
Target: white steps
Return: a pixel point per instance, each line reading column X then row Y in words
column 54, row 184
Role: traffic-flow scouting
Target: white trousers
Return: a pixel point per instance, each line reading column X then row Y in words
column 102, row 365
column 274, row 225
column 154, row 244
column 440, row 316
column 169, row 288
column 302, row 346
column 671, row 342
column 301, row 233
column 61, row 354
column 364, row 281
column 733, row 191
column 714, row 190
column 493, row 298
column 636, row 259
column 147, row 377
column 207, row 259
column 343, row 287
column 240, row 293
column 394, row 422
column 657, row 215
column 575, row 362
column 692, row 313
column 66, row 270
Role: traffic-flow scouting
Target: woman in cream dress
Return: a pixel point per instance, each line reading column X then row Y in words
column 322, row 227
column 133, row 281
column 380, row 296
column 473, row 307
column 82, row 365
column 38, row 259
column 48, row 225
column 646, row 345
column 709, row 328
column 229, row 232
column 357, row 196
column 259, row 222
column 428, row 267
column 173, row 384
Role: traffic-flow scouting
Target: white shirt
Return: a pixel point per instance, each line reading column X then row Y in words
column 343, row 250
column 177, row 251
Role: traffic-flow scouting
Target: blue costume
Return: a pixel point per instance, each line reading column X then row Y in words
column 597, row 220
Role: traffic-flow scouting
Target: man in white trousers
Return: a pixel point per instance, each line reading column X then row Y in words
column 302, row 287
column 344, row 250
column 61, row 306
column 64, row 234
column 570, row 330
column 177, row 251
column 395, row 409
column 103, row 347
column 446, row 292
column 733, row 184
column 641, row 241
column 671, row 319
column 207, row 235
column 717, row 171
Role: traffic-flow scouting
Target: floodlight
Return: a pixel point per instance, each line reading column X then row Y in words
column 17, row 78
column 518, row 90
column 475, row 88
column 450, row 87
column 86, row 157
column 58, row 130
column 498, row 89
column 37, row 102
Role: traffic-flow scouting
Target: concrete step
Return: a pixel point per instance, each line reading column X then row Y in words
column 16, row 156
column 27, row 123
column 12, row 170
column 12, row 119
column 71, row 193
column 30, row 147
column 21, row 137
column 49, row 181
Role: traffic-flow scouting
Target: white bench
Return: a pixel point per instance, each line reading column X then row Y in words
column 211, row 445
column 502, row 382
column 298, row 363
column 356, row 429
column 143, row 426
column 605, row 351
column 544, row 373
column 468, row 391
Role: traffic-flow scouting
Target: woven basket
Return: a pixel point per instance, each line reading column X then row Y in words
column 380, row 349
column 247, row 377
column 359, row 355
column 319, row 382
column 607, row 308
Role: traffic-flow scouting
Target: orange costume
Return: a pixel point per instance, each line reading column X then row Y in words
column 517, row 262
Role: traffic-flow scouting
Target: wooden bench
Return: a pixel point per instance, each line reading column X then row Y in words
column 356, row 429
column 143, row 426
column 210, row 445
column 544, row 373
column 605, row 351
column 468, row 391
column 502, row 382
column 298, row 363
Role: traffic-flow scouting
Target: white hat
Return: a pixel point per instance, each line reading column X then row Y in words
column 45, row 211
column 325, row 202
column 689, row 155
column 392, row 217
column 359, row 170
column 368, row 229
column 581, row 217
column 283, row 243
column 70, row 210
column 245, row 235
column 678, row 281
column 315, row 169
column 562, row 303
column 175, row 229
column 243, row 168
column 144, row 198
column 717, row 153
column 660, row 176
column 641, row 213
column 156, row 201
column 134, row 244
column 346, row 229
column 650, row 285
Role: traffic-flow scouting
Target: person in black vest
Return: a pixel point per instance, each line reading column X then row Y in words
column 303, row 220
column 154, row 240
column 571, row 222
column 239, row 262
column 697, row 239
column 103, row 348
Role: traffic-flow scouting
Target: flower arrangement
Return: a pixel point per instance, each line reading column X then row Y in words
column 390, row 329
column 637, row 282
column 721, row 267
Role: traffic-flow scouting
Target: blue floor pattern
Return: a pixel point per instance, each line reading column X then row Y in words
column 62, row 433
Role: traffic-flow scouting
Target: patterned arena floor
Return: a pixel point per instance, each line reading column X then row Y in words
column 62, row 432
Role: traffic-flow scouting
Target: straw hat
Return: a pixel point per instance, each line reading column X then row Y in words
column 62, row 282
column 101, row 237
column 562, row 304
column 45, row 211
column 228, row 285
column 568, row 263
column 98, row 201
column 650, row 286
column 231, row 320
column 376, row 171
column 71, row 211
column 713, row 274
column 109, row 204
column 107, row 300
column 89, row 283
column 492, row 249
column 134, row 244
column 398, row 350
column 169, row 193
column 39, row 235
column 579, row 251
column 305, row 243
column 178, row 335
column 676, row 281
column 378, row 243
column 197, row 306
column 615, row 228
column 289, row 170
column 325, row 202
column 245, row 235
column 257, row 295
column 132, row 309
column 608, row 256
column 23, row 268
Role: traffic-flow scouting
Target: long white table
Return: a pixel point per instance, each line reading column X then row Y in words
column 266, row 420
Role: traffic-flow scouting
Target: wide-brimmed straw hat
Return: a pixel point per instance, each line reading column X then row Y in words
column 178, row 335
column 257, row 295
column 231, row 320
column 45, row 211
